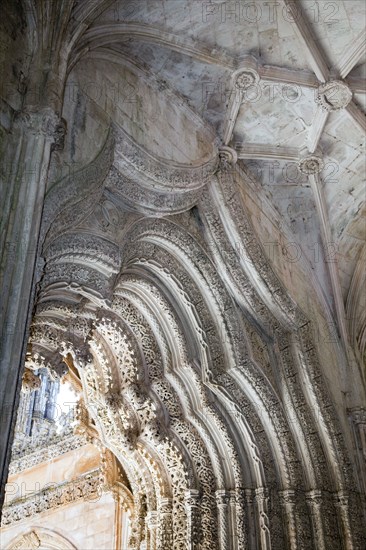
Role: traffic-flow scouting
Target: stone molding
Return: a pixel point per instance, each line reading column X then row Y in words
column 53, row 448
column 87, row 487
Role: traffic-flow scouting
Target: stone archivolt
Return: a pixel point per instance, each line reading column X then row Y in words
column 218, row 441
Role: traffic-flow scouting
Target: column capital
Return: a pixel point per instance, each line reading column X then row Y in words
column 358, row 415
column 43, row 121
column 288, row 496
column 222, row 497
column 314, row 497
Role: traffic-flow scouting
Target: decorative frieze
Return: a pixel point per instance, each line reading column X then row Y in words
column 87, row 487
column 49, row 451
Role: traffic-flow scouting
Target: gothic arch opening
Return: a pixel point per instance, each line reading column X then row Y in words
column 170, row 221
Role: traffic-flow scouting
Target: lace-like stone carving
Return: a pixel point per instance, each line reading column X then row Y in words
column 87, row 487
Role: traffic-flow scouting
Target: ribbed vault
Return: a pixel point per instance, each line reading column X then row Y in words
column 202, row 355
column 219, row 441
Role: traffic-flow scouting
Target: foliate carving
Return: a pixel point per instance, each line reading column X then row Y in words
column 52, row 362
column 334, row 95
column 358, row 415
column 193, row 510
column 59, row 136
column 87, row 486
column 76, row 194
column 43, row 122
column 311, row 165
column 30, row 381
column 53, row 448
column 138, row 164
column 78, row 278
column 147, row 199
column 165, row 528
column 81, row 247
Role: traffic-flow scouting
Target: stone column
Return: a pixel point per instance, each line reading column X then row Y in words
column 342, row 504
column 165, row 534
column 261, row 499
column 249, row 499
column 24, row 173
column 288, row 501
column 314, row 500
column 152, row 524
column 222, row 499
column 192, row 505
column 118, row 509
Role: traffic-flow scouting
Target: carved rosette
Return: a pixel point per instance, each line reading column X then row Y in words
column 246, row 78
column 311, row 165
column 334, row 95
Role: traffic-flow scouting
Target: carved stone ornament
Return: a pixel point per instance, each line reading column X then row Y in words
column 228, row 155
column 59, row 135
column 30, row 381
column 333, row 95
column 246, row 78
column 43, row 122
column 311, row 165
column 29, row 541
column 87, row 487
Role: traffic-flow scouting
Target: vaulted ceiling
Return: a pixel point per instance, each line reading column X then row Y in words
column 198, row 137
column 168, row 74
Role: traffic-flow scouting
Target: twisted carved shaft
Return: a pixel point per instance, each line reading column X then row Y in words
column 223, row 499
column 261, row 499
